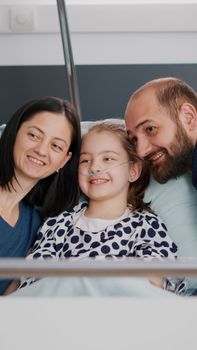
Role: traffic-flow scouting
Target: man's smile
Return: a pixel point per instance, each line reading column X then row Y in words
column 156, row 156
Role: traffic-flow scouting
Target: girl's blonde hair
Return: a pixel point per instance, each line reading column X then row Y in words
column 137, row 188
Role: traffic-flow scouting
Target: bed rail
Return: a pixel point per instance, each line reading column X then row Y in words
column 16, row 267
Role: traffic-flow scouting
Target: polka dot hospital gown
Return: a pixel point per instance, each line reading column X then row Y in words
column 73, row 235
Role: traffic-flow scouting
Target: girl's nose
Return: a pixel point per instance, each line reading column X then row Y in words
column 95, row 167
column 94, row 172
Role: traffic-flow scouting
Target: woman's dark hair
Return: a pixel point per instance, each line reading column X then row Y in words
column 59, row 191
column 136, row 189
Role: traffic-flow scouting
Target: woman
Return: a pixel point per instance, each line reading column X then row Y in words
column 39, row 152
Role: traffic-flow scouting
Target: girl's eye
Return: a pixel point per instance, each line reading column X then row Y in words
column 108, row 159
column 83, row 161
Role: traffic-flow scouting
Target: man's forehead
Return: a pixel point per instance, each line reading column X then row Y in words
column 136, row 108
column 143, row 109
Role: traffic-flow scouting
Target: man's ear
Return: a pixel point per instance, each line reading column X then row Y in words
column 135, row 171
column 188, row 116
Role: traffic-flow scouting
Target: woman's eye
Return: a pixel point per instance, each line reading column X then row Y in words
column 57, row 148
column 33, row 136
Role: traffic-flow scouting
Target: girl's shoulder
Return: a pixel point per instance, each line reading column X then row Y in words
column 80, row 206
column 66, row 215
column 147, row 216
column 143, row 213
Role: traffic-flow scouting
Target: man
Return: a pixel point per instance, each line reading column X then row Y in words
column 161, row 119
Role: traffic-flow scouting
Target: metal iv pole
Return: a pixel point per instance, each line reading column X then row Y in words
column 68, row 56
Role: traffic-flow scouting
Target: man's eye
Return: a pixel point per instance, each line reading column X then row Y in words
column 133, row 141
column 150, row 130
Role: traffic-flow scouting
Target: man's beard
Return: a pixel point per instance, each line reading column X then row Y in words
column 178, row 162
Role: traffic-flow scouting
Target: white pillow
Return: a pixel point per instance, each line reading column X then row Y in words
column 175, row 202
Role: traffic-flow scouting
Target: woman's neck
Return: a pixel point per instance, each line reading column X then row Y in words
column 11, row 198
column 9, row 205
column 108, row 209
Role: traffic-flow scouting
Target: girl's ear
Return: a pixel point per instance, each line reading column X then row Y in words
column 188, row 116
column 135, row 171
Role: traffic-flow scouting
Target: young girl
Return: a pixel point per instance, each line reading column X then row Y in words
column 114, row 221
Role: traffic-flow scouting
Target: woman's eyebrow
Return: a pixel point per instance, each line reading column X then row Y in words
column 42, row 132
column 36, row 127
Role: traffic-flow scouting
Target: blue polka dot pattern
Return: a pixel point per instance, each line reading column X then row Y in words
column 105, row 249
column 155, row 224
column 127, row 229
column 39, row 236
column 87, row 238
column 51, row 222
column 141, row 234
column 173, row 249
column 151, row 233
column 74, row 239
column 162, row 234
column 60, row 232
column 164, row 252
column 115, row 245
column 58, row 247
